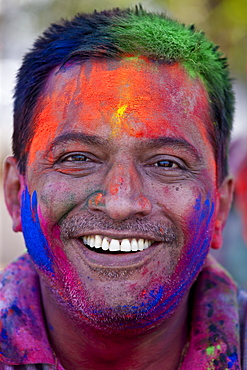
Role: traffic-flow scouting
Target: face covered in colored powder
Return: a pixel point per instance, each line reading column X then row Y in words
column 118, row 209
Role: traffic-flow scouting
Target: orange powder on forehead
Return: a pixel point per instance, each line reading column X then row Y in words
column 50, row 110
column 133, row 96
column 112, row 92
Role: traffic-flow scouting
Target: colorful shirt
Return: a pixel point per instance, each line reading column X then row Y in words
column 214, row 334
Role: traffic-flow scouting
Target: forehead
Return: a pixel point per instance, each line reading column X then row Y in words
column 114, row 98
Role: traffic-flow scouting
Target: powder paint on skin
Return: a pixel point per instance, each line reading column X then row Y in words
column 118, row 119
column 96, row 199
column 61, row 276
column 114, row 189
column 136, row 91
column 66, row 284
column 36, row 242
column 190, row 264
column 125, row 91
column 64, row 281
column 153, row 298
column 47, row 119
column 154, row 303
column 98, row 107
column 117, row 181
column 193, row 256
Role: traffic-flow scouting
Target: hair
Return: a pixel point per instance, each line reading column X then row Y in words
column 113, row 34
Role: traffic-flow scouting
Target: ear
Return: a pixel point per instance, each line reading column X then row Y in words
column 13, row 187
column 223, row 205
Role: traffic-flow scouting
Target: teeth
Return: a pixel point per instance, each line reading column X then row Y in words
column 115, row 245
column 91, row 242
column 125, row 246
column 146, row 244
column 140, row 244
column 134, row 245
column 105, row 245
column 98, row 241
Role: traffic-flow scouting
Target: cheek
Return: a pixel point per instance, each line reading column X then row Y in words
column 58, row 197
column 199, row 231
column 197, row 234
column 56, row 200
column 192, row 211
column 178, row 199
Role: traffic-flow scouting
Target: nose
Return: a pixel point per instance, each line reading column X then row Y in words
column 122, row 196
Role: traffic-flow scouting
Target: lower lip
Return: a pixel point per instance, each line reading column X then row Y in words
column 117, row 260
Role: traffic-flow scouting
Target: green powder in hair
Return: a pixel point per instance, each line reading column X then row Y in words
column 159, row 37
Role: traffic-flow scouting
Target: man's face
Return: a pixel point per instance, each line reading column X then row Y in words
column 120, row 159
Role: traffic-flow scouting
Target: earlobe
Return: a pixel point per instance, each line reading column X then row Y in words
column 223, row 205
column 13, row 187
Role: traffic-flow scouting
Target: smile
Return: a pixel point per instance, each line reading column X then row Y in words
column 116, row 245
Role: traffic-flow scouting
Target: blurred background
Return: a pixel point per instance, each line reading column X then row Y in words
column 223, row 21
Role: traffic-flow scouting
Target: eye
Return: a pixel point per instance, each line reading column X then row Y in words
column 77, row 164
column 166, row 163
column 75, row 157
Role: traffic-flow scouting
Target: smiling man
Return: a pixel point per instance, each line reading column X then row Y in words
column 119, row 184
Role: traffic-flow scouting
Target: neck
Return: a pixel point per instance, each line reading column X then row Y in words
column 78, row 346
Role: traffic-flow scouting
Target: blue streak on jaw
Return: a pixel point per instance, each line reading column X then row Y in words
column 36, row 242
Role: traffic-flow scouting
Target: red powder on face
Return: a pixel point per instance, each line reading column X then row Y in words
column 96, row 200
column 51, row 110
column 114, row 189
column 144, row 292
column 133, row 97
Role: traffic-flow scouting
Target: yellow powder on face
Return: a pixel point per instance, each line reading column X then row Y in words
column 117, row 119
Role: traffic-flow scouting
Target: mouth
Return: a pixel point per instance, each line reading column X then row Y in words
column 115, row 252
column 104, row 244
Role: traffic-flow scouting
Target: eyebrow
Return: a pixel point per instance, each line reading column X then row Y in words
column 78, row 136
column 145, row 144
column 172, row 142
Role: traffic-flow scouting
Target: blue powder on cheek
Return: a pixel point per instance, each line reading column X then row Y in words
column 207, row 210
column 36, row 242
column 4, row 334
column 197, row 206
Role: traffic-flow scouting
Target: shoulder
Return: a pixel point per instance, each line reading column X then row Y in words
column 15, row 277
column 21, row 318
